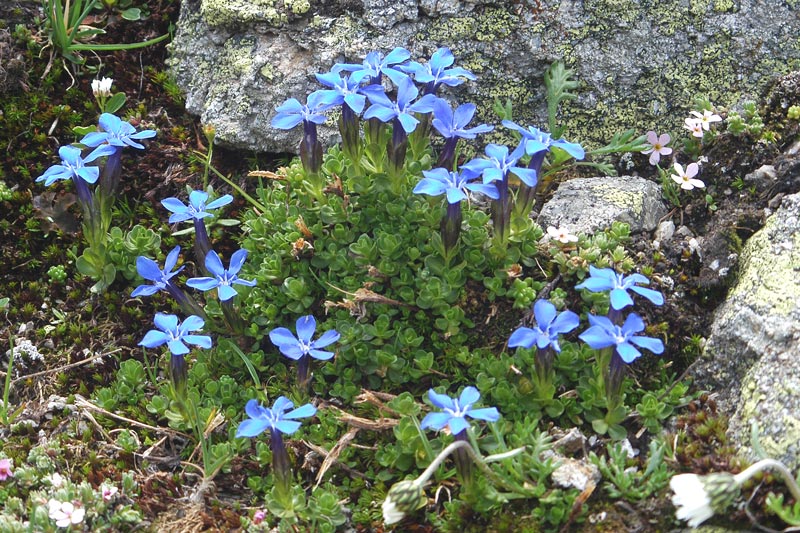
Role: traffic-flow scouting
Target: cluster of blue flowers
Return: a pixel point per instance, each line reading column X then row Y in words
column 416, row 109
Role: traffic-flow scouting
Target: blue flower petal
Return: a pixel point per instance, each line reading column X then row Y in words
column 252, row 428
column 522, row 337
column 442, row 401
column 436, row 421
column 306, row 326
column 544, row 312
column 226, row 292
column 203, row 284
column 326, row 338
column 488, row 414
column 468, row 396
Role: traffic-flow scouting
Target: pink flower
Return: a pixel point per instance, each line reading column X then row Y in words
column 108, row 492
column 259, row 516
column 694, row 125
column 687, row 179
column 5, row 469
column 658, row 146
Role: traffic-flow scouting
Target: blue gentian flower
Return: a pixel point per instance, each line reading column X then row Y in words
column 499, row 163
column 603, row 333
column 302, row 345
column 451, row 123
column 149, row 270
column 385, row 109
column 454, row 184
column 549, row 325
column 342, row 91
column 375, row 64
column 222, row 279
column 537, row 141
column 292, row 112
column 276, row 419
column 437, row 71
column 455, row 411
column 176, row 335
column 116, row 132
column 197, row 208
column 606, row 279
column 73, row 166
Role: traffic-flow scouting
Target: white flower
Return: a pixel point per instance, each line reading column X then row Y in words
column 687, row 179
column 391, row 514
column 55, row 479
column 102, row 88
column 64, row 513
column 658, row 146
column 706, row 118
column 108, row 491
column 694, row 125
column 691, row 499
column 561, row 235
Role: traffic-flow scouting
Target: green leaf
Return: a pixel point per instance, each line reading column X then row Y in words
column 132, row 13
column 115, row 103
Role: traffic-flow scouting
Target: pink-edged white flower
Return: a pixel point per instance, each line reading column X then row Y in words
column 658, row 146
column 687, row 179
column 706, row 118
column 108, row 492
column 561, row 235
column 5, row 469
column 65, row 513
column 694, row 125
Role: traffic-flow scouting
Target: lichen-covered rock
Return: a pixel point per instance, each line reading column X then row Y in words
column 751, row 357
column 584, row 205
column 641, row 62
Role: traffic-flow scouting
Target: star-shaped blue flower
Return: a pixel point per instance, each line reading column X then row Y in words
column 197, row 208
column 375, row 64
column 454, row 184
column 451, row 123
column 549, row 325
column 73, row 166
column 437, row 71
column 536, row 140
column 384, row 109
column 149, row 270
column 176, row 335
column 498, row 163
column 455, row 411
column 292, row 112
column 342, row 91
column 116, row 132
column 222, row 279
column 275, row 419
column 603, row 333
column 302, row 345
column 606, row 279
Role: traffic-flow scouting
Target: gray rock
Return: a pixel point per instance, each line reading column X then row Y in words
column 751, row 358
column 640, row 62
column 583, row 205
column 665, row 231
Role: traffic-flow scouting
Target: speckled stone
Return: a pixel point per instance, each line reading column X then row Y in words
column 752, row 357
column 640, row 63
column 585, row 205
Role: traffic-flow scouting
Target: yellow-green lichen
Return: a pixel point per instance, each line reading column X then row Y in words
column 724, row 5
column 769, row 274
column 298, row 7
column 490, row 25
column 624, row 199
column 233, row 12
column 753, row 408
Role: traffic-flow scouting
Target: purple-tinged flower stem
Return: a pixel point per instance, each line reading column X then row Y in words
column 303, row 375
column 397, row 149
column 187, row 303
column 281, row 468
column 501, row 213
column 202, row 244
column 463, row 459
column 526, row 197
column 451, row 227
column 232, row 317
column 351, row 141
column 310, row 148
column 420, row 138
column 448, row 154
column 615, row 375
column 109, row 181
column 178, row 375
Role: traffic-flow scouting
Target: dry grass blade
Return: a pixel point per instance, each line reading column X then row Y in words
column 333, row 455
